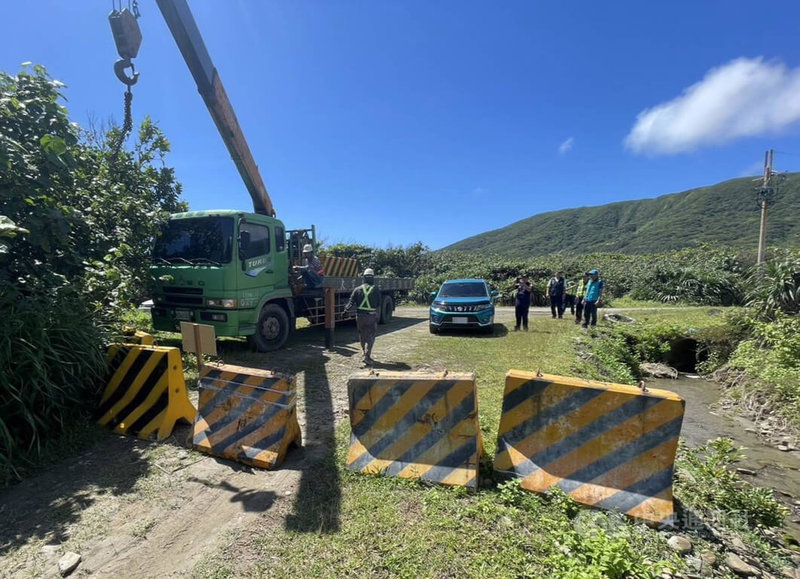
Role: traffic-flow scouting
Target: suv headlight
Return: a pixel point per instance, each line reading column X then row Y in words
column 482, row 307
column 437, row 306
column 221, row 303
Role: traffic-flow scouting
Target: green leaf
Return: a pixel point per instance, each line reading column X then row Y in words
column 53, row 145
column 10, row 229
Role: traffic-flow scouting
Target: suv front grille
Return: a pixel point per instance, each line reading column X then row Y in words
column 462, row 308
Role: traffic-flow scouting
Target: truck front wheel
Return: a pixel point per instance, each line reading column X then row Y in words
column 272, row 329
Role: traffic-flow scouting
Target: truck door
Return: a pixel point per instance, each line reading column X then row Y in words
column 257, row 263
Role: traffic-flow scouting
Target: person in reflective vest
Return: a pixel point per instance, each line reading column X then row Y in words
column 366, row 298
column 580, row 293
column 311, row 270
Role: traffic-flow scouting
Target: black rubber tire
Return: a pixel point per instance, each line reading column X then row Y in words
column 272, row 329
column 433, row 329
column 387, row 309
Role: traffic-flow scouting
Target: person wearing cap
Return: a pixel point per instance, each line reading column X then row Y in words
column 366, row 298
column 311, row 270
column 580, row 293
column 594, row 293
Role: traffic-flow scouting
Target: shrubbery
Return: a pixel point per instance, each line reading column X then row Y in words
column 76, row 224
column 698, row 276
column 770, row 357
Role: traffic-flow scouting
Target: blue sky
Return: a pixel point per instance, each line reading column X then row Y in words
column 392, row 122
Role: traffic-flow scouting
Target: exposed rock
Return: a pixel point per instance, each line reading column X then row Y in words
column 746, row 471
column 783, row 448
column 50, row 550
column 739, row 546
column 68, row 563
column 680, row 545
column 791, row 573
column 735, row 564
column 694, row 562
column 658, row 370
column 709, row 558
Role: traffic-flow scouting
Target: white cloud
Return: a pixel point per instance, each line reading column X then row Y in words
column 746, row 97
column 564, row 147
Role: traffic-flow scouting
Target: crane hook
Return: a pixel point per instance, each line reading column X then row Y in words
column 119, row 70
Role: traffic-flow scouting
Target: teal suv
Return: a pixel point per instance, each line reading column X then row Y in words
column 463, row 304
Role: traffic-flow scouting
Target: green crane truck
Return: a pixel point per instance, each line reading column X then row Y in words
column 227, row 268
column 232, row 270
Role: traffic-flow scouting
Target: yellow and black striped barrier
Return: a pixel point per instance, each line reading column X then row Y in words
column 145, row 393
column 133, row 336
column 340, row 266
column 609, row 446
column 415, row 425
column 246, row 414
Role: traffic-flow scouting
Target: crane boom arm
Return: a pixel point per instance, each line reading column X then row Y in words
column 187, row 36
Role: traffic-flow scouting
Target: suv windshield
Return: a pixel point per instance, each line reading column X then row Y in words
column 196, row 240
column 463, row 290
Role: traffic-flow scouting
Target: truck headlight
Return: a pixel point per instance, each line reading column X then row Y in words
column 482, row 307
column 221, row 303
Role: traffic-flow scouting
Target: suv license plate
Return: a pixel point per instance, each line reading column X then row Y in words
column 184, row 315
column 460, row 320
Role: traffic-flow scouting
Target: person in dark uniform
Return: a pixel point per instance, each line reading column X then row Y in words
column 522, row 302
column 366, row 298
column 555, row 291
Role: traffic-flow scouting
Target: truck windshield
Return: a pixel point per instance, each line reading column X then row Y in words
column 463, row 290
column 196, row 240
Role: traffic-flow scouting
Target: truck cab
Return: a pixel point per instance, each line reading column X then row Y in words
column 226, row 268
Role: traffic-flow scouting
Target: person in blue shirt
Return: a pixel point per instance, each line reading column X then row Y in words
column 594, row 294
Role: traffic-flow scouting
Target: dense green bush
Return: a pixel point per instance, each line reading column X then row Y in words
column 76, row 223
column 775, row 287
column 771, row 359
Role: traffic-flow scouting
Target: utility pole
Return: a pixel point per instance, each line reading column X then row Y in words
column 764, row 198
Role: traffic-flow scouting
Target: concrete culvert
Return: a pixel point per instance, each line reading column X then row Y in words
column 683, row 355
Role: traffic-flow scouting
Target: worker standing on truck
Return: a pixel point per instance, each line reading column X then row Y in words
column 367, row 299
column 311, row 270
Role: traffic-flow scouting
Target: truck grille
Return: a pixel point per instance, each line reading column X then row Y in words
column 183, row 295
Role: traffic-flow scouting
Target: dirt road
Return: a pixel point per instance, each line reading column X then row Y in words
column 138, row 509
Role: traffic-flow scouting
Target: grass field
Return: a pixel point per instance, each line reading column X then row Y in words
column 388, row 527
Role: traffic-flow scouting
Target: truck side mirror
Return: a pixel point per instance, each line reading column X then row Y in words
column 433, row 294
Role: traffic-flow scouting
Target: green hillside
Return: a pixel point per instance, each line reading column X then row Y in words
column 726, row 213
